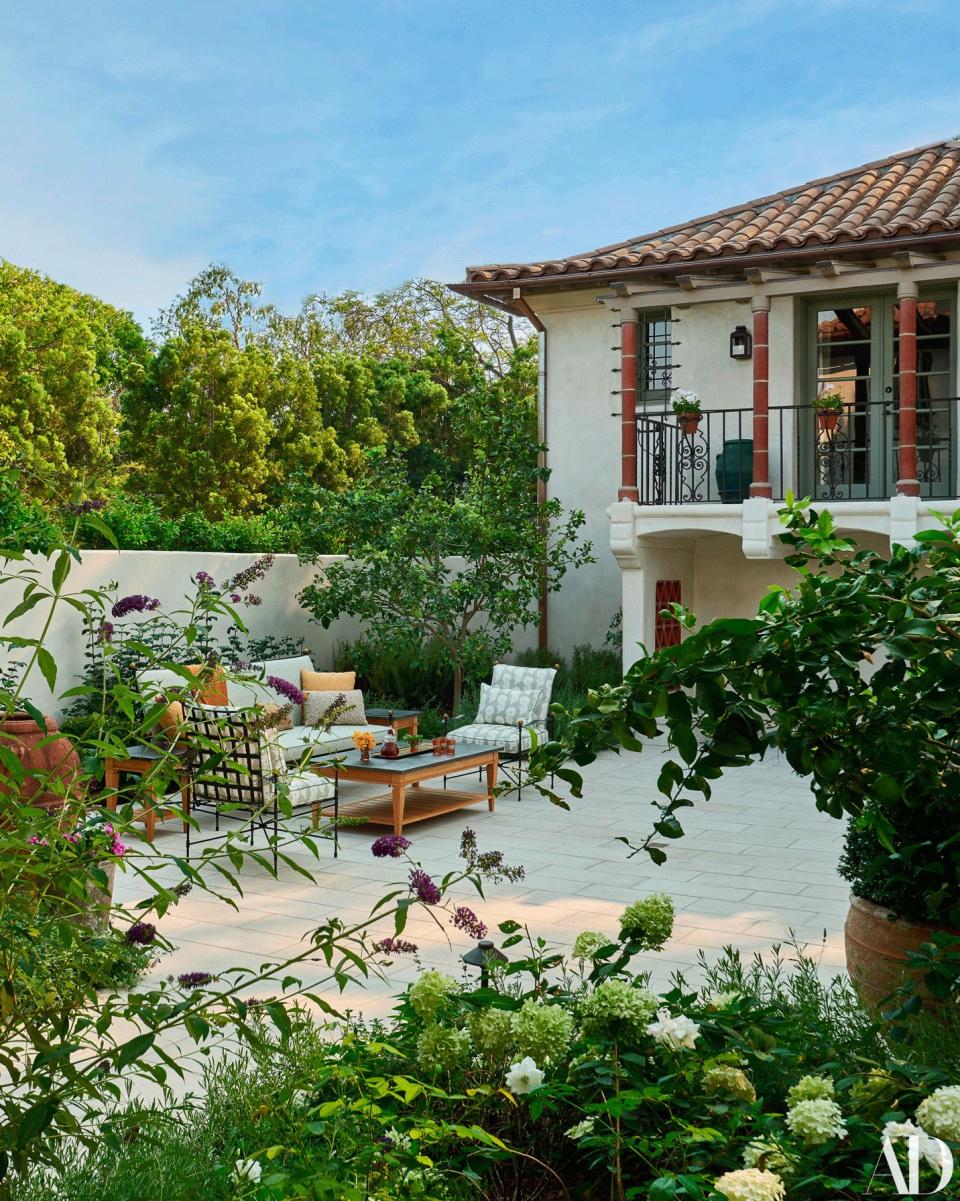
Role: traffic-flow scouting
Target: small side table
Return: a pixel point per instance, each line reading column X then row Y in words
column 139, row 761
column 401, row 719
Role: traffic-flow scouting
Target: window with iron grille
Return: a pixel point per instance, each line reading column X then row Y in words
column 667, row 629
column 655, row 358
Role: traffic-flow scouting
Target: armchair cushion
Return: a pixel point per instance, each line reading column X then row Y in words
column 507, row 736
column 501, row 706
column 508, row 675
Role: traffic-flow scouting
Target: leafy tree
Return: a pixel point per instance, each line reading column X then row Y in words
column 461, row 564
column 201, row 425
column 58, row 395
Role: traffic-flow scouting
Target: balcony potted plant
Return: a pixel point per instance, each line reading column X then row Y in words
column 828, row 406
column 686, row 405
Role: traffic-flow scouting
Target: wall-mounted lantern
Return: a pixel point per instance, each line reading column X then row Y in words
column 741, row 343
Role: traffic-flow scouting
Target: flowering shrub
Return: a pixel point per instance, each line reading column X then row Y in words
column 648, row 922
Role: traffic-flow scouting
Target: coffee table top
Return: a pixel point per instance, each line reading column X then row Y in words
column 408, row 763
column 376, row 712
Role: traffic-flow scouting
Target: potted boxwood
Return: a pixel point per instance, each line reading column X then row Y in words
column 686, row 405
column 854, row 676
column 828, row 406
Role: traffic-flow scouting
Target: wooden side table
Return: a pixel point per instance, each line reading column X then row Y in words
column 139, row 761
column 401, row 719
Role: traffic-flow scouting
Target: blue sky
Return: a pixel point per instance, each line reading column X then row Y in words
column 319, row 146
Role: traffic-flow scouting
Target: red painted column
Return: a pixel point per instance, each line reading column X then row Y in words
column 761, row 397
column 907, row 483
column 628, row 410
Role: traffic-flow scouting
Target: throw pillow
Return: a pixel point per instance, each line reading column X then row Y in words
column 507, row 706
column 171, row 721
column 213, row 691
column 316, row 704
column 327, row 681
column 276, row 717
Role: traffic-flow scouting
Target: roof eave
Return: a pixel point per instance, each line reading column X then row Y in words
column 865, row 247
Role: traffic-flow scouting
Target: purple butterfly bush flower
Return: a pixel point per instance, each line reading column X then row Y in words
column 466, row 920
column 141, row 934
column 389, row 846
column 137, row 603
column 250, row 575
column 396, row 946
column 423, row 887
column 204, row 579
column 286, row 689
column 194, row 979
column 106, row 632
column 88, row 506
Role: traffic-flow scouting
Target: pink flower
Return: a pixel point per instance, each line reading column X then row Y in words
column 118, row 849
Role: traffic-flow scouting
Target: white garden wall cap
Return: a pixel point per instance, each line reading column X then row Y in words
column 912, row 194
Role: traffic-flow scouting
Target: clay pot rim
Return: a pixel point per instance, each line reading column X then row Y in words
column 879, row 913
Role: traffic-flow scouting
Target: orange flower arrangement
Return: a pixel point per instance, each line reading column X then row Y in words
column 364, row 740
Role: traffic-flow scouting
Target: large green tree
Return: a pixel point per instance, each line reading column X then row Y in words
column 66, row 361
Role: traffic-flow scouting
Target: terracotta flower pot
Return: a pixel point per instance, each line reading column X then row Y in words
column 877, row 943
column 827, row 419
column 56, row 760
column 689, row 423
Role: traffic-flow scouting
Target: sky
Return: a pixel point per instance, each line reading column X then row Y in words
column 322, row 146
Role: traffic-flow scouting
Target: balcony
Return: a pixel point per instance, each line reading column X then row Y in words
column 854, row 458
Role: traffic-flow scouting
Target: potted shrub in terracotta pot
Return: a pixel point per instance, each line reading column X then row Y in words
column 686, row 405
column 828, row 407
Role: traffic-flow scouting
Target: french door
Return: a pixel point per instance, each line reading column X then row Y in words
column 855, row 352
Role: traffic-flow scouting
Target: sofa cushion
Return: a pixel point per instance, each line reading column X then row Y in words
column 317, row 704
column 300, row 739
column 255, row 691
column 328, row 681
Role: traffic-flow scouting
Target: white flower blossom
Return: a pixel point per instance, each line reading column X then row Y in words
column 401, row 1141
column 817, row 1121
column 674, row 1032
column 940, row 1113
column 246, row 1171
column 750, row 1184
column 581, row 1128
column 930, row 1149
column 524, row 1076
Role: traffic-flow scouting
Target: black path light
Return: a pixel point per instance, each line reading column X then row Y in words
column 741, row 343
column 482, row 955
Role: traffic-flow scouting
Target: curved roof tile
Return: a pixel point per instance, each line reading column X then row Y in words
column 914, row 192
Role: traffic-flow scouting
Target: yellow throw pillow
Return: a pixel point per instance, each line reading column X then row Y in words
column 328, row 681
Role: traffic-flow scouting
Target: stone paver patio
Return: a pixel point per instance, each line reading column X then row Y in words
column 757, row 860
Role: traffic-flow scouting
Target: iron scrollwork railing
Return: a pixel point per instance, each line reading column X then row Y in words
column 853, row 458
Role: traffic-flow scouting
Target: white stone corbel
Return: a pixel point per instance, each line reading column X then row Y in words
column 758, row 528
column 623, row 535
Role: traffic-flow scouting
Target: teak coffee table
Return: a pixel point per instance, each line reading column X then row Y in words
column 408, row 772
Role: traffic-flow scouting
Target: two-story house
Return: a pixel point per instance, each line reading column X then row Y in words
column 847, row 285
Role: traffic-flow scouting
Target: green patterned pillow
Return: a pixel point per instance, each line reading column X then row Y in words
column 507, row 706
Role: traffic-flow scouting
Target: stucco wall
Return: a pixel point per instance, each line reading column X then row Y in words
column 166, row 575
column 584, row 441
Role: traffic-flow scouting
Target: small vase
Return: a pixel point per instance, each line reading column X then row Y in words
column 827, row 419
column 689, row 423
column 364, row 755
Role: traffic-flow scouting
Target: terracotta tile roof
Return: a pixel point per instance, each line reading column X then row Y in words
column 911, row 194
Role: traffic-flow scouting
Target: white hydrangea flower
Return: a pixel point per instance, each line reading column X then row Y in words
column 399, row 1140
column 811, row 1088
column 930, row 1149
column 674, row 1032
column 940, row 1113
column 750, row 1184
column 581, row 1128
column 524, row 1076
column 246, row 1171
column 817, row 1121
column 723, row 1000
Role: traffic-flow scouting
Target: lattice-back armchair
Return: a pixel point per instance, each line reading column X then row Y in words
column 238, row 772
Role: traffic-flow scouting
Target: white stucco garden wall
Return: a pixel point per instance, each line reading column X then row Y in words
column 166, row 575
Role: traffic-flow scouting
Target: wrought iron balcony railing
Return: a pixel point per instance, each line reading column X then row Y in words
column 853, row 457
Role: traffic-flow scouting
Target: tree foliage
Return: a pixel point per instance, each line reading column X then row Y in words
column 853, row 675
column 459, row 561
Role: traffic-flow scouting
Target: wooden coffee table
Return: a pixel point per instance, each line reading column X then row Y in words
column 407, row 801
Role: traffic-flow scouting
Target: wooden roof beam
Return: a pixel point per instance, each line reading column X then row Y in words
column 768, row 275
column 690, row 283
column 915, row 258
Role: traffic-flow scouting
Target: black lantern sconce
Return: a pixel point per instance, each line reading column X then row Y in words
column 484, row 956
column 741, row 343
